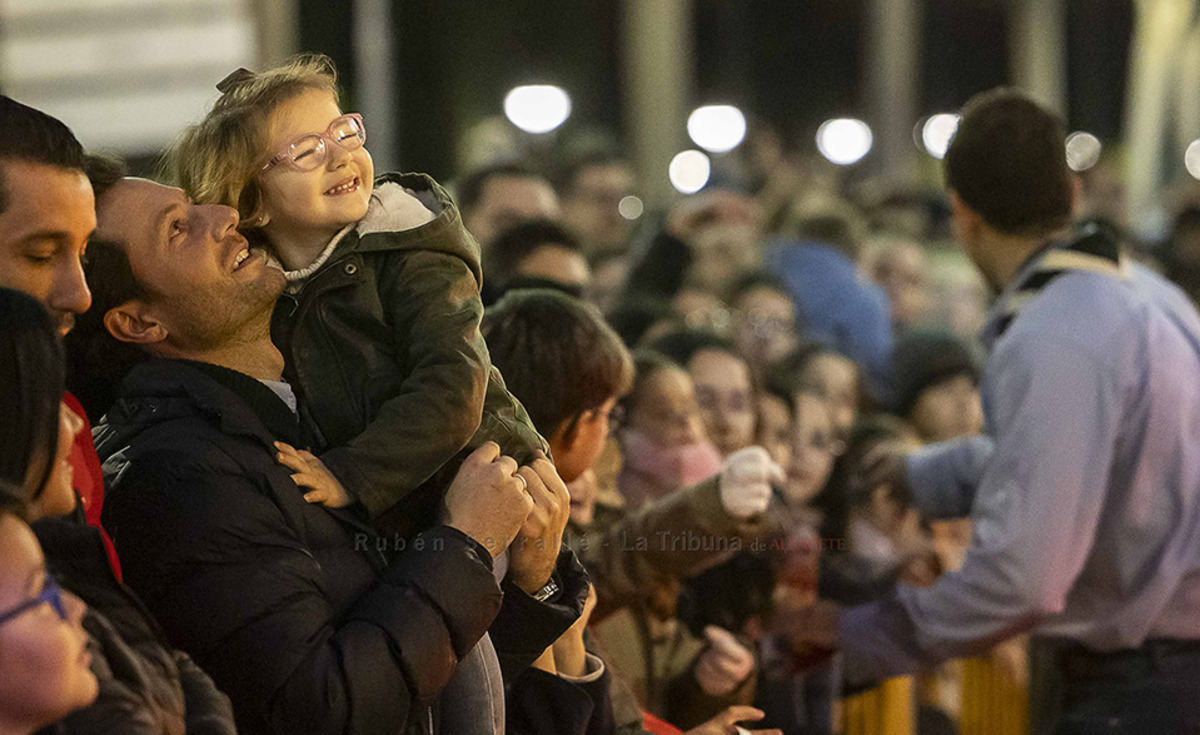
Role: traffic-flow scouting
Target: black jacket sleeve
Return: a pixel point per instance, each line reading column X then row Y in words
column 540, row 703
column 231, row 582
column 525, row 627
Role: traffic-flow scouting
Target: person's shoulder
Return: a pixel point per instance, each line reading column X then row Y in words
column 1091, row 311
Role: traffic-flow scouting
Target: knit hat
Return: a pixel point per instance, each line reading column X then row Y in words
column 924, row 358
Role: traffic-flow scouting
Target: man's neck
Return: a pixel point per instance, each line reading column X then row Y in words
column 999, row 256
column 298, row 248
column 257, row 357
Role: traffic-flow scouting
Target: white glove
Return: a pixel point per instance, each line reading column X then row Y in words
column 724, row 664
column 745, row 482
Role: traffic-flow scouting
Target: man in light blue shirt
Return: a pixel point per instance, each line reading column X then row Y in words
column 1085, row 495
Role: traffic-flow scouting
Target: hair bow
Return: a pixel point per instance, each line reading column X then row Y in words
column 235, row 78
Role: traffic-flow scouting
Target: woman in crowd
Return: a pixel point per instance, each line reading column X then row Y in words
column 826, row 373
column 723, row 385
column 663, row 442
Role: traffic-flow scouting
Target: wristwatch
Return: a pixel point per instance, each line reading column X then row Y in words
column 548, row 590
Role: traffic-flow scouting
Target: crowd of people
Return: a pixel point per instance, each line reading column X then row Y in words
column 291, row 445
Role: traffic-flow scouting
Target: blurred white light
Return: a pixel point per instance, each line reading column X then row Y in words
column 844, row 141
column 1191, row 159
column 537, row 108
column 689, row 171
column 631, row 207
column 717, row 128
column 937, row 133
column 1083, row 150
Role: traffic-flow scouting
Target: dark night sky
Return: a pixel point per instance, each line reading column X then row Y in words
column 795, row 62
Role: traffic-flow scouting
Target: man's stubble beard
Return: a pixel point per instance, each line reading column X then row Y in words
column 221, row 321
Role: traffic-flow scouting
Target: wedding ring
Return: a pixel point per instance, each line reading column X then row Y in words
column 524, row 482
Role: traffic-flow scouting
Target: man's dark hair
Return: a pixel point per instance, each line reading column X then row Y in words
column 31, row 386
column 103, row 172
column 557, row 355
column 1008, row 162
column 470, row 189
column 835, row 227
column 96, row 361
column 757, row 279
column 567, row 176
column 518, row 242
column 682, row 345
column 31, row 135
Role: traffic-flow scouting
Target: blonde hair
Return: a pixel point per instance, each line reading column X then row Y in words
column 217, row 161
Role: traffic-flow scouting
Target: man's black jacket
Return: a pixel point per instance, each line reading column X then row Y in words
column 292, row 608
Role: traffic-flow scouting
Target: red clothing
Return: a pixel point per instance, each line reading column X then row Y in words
column 88, row 478
column 657, row 726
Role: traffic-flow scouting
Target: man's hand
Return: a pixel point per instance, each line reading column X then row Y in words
column 884, row 465
column 726, row 723
column 724, row 665
column 486, row 500
column 745, row 482
column 312, row 473
column 534, row 552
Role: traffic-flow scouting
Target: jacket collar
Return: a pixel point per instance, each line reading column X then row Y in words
column 341, row 263
column 444, row 233
column 160, row 390
column 1092, row 249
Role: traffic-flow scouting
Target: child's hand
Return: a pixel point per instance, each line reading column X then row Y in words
column 726, row 722
column 724, row 665
column 312, row 473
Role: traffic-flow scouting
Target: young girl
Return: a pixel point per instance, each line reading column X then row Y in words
column 379, row 324
column 663, row 444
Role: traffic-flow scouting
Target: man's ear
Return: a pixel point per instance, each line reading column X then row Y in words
column 966, row 220
column 566, row 434
column 133, row 322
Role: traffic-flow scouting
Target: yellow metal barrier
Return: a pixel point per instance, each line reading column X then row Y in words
column 885, row 710
column 992, row 703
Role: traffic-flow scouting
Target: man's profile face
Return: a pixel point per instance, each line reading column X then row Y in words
column 205, row 282
column 44, row 231
column 510, row 200
column 593, row 207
